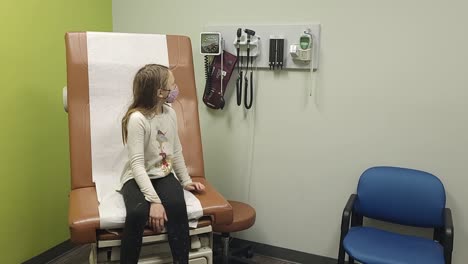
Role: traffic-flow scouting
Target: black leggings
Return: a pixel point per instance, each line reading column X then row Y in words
column 171, row 194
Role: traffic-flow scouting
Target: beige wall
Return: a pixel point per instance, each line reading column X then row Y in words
column 391, row 91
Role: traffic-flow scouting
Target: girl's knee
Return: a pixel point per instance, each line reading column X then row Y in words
column 176, row 206
column 177, row 203
column 139, row 212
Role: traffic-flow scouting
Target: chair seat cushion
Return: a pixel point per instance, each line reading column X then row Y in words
column 375, row 246
column 244, row 217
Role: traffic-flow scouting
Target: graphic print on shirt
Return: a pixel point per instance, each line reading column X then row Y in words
column 166, row 164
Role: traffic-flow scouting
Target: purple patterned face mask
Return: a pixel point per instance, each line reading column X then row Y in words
column 172, row 95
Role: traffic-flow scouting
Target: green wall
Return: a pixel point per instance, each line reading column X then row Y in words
column 34, row 157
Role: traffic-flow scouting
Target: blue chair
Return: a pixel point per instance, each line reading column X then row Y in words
column 402, row 196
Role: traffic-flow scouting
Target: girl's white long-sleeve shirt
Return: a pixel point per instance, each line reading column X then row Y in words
column 154, row 150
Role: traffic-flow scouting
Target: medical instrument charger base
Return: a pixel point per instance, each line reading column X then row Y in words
column 254, row 46
column 276, row 52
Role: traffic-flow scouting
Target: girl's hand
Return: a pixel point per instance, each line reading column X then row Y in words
column 195, row 186
column 157, row 216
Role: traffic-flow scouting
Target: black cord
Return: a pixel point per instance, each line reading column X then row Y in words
column 208, row 70
column 239, row 79
column 249, row 105
column 246, row 85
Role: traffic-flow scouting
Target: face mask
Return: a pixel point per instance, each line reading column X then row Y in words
column 172, row 95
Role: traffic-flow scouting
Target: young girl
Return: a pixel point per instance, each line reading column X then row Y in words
column 151, row 192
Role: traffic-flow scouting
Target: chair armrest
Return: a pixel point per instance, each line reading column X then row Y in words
column 347, row 211
column 448, row 234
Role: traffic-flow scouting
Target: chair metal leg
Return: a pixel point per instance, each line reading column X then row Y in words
column 225, row 243
column 227, row 254
column 351, row 260
column 225, row 248
column 93, row 254
column 448, row 259
column 341, row 255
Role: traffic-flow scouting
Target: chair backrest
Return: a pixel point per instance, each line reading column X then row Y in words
column 400, row 195
column 179, row 56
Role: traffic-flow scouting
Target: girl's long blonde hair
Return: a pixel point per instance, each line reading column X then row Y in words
column 146, row 84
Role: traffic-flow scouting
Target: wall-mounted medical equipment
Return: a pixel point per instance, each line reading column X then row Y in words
column 285, row 47
column 276, row 52
column 247, row 49
column 219, row 66
column 303, row 52
column 210, row 43
column 220, row 72
column 289, row 34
